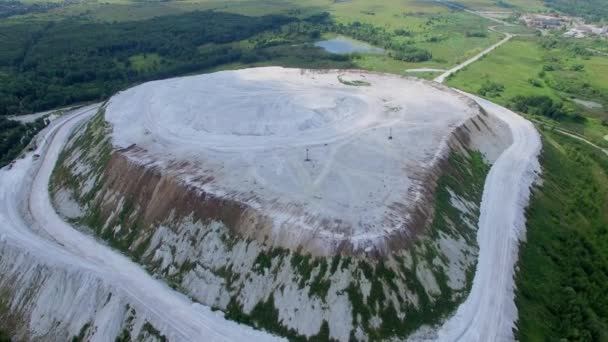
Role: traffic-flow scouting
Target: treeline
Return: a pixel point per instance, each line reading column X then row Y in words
column 10, row 8
column 592, row 10
column 14, row 137
column 73, row 61
column 539, row 105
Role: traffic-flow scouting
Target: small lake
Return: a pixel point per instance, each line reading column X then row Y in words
column 344, row 45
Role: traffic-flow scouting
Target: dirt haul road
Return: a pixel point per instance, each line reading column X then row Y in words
column 489, row 312
column 29, row 224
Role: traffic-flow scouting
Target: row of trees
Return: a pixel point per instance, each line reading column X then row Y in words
column 539, row 105
column 592, row 10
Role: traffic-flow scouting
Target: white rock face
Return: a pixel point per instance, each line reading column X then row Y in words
column 246, row 133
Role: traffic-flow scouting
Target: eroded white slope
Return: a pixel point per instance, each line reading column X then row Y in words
column 489, row 312
column 246, row 132
column 61, row 278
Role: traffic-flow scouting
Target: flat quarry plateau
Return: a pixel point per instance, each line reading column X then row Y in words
column 321, row 161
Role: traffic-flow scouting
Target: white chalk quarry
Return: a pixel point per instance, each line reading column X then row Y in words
column 336, row 155
column 60, row 279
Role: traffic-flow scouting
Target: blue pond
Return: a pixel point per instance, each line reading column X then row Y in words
column 343, row 45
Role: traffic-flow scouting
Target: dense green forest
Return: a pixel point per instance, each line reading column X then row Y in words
column 593, row 10
column 562, row 282
column 539, row 105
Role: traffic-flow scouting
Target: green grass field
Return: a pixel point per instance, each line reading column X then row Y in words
column 520, row 65
column 517, row 29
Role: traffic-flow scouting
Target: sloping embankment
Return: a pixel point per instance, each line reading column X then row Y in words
column 194, row 242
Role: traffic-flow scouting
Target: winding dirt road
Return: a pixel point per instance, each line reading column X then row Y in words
column 489, row 312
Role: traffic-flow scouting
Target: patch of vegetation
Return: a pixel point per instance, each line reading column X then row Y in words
column 264, row 259
column 355, row 83
column 303, row 266
column 152, row 331
column 320, row 288
column 125, row 336
column 4, row 336
column 359, row 308
column 539, row 105
column 320, row 285
column 15, row 136
column 81, row 334
column 262, row 262
column 335, row 261
column 491, row 89
column 542, row 75
column 478, row 34
column 466, row 179
column 411, row 54
column 562, row 283
column 265, row 316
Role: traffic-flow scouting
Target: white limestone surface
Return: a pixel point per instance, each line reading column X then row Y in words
column 246, row 132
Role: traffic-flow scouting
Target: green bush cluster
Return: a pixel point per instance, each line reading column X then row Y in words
column 539, row 105
column 15, row 136
column 491, row 89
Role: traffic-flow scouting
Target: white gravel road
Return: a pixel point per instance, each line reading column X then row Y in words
column 489, row 312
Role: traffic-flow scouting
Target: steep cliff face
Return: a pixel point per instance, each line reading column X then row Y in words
column 48, row 301
column 215, row 250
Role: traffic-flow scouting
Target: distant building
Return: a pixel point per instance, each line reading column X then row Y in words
column 544, row 21
column 582, row 31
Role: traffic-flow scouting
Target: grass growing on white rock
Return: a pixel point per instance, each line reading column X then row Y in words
column 301, row 296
